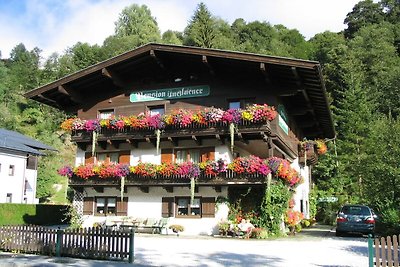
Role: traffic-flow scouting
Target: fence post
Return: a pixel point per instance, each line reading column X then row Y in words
column 131, row 237
column 370, row 251
column 59, row 242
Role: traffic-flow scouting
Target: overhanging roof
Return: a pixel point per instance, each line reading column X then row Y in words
column 299, row 82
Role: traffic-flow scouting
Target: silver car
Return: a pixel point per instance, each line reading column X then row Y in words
column 355, row 219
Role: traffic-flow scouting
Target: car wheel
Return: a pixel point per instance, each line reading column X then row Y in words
column 339, row 233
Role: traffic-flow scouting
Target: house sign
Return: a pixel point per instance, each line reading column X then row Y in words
column 170, row 93
column 282, row 119
column 327, row 199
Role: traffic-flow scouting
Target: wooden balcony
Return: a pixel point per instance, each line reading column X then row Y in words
column 244, row 131
column 226, row 178
column 310, row 157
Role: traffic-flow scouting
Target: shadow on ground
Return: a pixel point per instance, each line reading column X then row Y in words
column 145, row 258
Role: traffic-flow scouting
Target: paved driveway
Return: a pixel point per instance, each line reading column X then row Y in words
column 314, row 247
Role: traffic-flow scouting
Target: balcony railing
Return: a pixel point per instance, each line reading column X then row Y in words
column 228, row 177
column 309, row 157
column 200, row 129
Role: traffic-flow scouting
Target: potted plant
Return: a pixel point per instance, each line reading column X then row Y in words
column 223, row 228
column 176, row 228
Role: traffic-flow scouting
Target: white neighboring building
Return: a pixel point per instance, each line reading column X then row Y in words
column 18, row 167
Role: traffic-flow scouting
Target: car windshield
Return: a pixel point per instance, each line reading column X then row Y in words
column 356, row 210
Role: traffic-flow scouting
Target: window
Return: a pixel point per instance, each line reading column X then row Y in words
column 105, row 114
column 106, row 205
column 234, row 104
column 108, row 157
column 195, row 155
column 240, row 103
column 188, row 155
column 154, row 110
column 116, row 157
column 11, row 170
column 185, row 209
column 31, row 162
column 9, row 198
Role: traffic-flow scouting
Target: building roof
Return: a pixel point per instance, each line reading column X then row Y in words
column 12, row 140
column 298, row 82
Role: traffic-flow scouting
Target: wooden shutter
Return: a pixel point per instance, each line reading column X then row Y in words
column 207, row 153
column 88, row 203
column 89, row 159
column 124, row 157
column 208, row 207
column 122, row 206
column 167, row 207
column 167, row 155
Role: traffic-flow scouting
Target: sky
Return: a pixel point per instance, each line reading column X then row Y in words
column 56, row 25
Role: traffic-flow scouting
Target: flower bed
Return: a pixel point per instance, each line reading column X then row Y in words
column 242, row 166
column 179, row 118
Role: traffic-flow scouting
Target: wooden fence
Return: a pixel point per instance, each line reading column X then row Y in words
column 384, row 251
column 92, row 243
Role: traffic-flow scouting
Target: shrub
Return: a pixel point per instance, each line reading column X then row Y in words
column 223, row 227
column 305, row 223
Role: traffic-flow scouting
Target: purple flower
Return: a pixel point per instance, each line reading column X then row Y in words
column 65, row 171
column 122, row 170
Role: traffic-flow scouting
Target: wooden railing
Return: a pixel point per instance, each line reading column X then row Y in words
column 310, row 157
column 92, row 243
column 222, row 178
column 384, row 251
column 175, row 130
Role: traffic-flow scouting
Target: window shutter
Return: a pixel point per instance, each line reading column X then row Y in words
column 167, row 155
column 122, row 206
column 88, row 205
column 89, row 159
column 167, row 207
column 208, row 207
column 207, row 153
column 125, row 157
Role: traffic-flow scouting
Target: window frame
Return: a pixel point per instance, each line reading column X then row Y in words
column 243, row 102
column 106, row 206
column 189, row 211
column 107, row 155
column 9, row 198
column 103, row 111
column 11, row 170
column 187, row 151
column 149, row 109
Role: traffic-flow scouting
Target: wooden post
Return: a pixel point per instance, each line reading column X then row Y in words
column 131, row 237
column 370, row 251
column 59, row 242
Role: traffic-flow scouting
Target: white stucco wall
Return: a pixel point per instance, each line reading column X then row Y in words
column 302, row 190
column 31, row 177
column 145, row 155
column 12, row 184
column 149, row 205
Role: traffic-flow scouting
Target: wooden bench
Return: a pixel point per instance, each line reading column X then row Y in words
column 151, row 224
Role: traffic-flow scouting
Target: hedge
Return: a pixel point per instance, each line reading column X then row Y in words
column 37, row 214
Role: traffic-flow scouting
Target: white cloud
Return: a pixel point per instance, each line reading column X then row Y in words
column 54, row 26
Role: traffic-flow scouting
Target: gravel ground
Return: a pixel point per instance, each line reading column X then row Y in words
column 315, row 247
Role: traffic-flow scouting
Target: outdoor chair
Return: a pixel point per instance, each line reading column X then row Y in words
column 162, row 223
